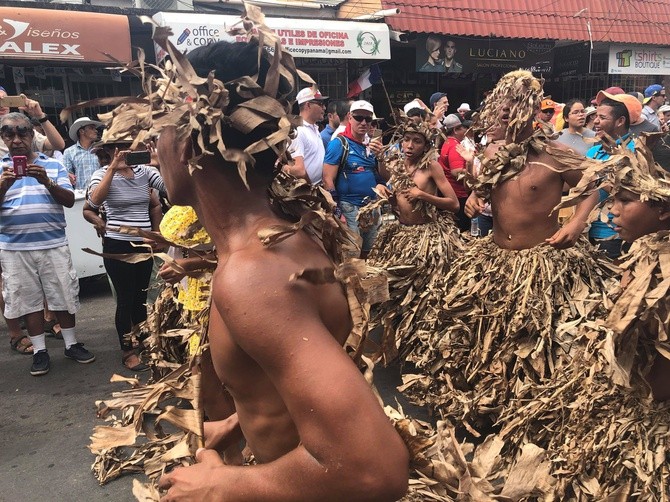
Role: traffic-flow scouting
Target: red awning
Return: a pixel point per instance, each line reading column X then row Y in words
column 629, row 21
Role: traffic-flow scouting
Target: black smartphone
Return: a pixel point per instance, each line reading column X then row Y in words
column 138, row 158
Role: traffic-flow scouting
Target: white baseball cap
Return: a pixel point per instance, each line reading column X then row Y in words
column 361, row 105
column 310, row 94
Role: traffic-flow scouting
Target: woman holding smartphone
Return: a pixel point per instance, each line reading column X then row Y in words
column 123, row 191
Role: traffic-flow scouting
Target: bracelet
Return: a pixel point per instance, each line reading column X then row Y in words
column 43, row 119
column 52, row 184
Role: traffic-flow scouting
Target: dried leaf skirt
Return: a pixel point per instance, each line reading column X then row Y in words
column 416, row 260
column 595, row 418
column 508, row 317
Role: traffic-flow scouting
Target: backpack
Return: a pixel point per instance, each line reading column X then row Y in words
column 345, row 155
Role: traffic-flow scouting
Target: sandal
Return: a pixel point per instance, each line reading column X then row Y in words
column 22, row 348
column 50, row 331
column 138, row 367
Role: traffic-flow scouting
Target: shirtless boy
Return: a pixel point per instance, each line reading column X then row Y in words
column 416, row 251
column 312, row 422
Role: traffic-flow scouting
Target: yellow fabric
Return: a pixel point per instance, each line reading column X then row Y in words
column 180, row 226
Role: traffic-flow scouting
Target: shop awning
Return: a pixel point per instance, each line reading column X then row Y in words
column 631, row 21
column 59, row 35
column 303, row 38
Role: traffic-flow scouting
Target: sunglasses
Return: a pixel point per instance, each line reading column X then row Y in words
column 362, row 118
column 9, row 132
column 320, row 104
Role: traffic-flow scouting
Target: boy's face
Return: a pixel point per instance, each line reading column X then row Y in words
column 414, row 144
column 634, row 218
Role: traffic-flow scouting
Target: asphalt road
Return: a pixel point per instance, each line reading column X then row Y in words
column 46, row 421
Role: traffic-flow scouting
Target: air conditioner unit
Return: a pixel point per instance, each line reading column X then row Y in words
column 163, row 5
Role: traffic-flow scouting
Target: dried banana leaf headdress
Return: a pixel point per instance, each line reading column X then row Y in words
column 625, row 169
column 203, row 108
column 642, row 175
column 422, row 127
column 519, row 90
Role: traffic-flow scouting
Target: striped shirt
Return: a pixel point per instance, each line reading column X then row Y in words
column 82, row 163
column 127, row 201
column 30, row 218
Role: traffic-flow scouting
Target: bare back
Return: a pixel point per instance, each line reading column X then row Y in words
column 265, row 420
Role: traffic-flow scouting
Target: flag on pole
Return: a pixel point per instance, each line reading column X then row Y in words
column 372, row 75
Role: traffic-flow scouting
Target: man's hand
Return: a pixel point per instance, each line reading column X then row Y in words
column 39, row 173
column 474, row 206
column 439, row 111
column 7, row 179
column 73, row 179
column 197, row 482
column 151, row 148
column 32, row 107
column 376, row 146
column 170, row 274
column 413, row 194
column 567, row 235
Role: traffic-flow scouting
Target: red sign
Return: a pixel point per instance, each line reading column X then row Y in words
column 57, row 35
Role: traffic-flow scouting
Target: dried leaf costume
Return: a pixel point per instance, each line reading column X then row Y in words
column 415, row 258
column 137, row 438
column 509, row 316
column 606, row 436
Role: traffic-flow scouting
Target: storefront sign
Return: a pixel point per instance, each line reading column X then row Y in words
column 639, row 60
column 302, row 38
column 442, row 54
column 572, row 59
column 57, row 35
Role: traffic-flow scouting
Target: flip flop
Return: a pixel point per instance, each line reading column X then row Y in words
column 51, row 332
column 17, row 346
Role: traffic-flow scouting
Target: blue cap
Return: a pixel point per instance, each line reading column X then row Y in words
column 436, row 97
column 2, row 88
column 652, row 89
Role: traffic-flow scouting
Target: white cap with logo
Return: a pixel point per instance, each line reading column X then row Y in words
column 310, row 94
column 361, row 105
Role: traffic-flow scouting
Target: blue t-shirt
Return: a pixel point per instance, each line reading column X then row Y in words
column 354, row 183
column 30, row 217
column 599, row 229
column 326, row 134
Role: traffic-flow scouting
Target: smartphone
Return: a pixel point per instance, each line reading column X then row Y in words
column 137, row 158
column 13, row 101
column 20, row 165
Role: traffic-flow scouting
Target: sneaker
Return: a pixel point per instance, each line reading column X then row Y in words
column 79, row 354
column 40, row 364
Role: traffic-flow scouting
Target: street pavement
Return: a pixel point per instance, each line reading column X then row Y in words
column 46, row 421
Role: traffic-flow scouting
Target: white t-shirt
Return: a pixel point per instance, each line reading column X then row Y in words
column 309, row 145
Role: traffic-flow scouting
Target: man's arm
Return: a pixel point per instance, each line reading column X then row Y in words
column 568, row 234
column 329, row 175
column 348, row 449
column 297, row 169
column 54, row 140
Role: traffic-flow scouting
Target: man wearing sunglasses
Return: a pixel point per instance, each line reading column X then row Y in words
column 654, row 98
column 307, row 148
column 34, row 252
column 351, row 182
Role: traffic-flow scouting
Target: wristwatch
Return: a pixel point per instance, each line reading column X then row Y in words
column 42, row 120
column 51, row 184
